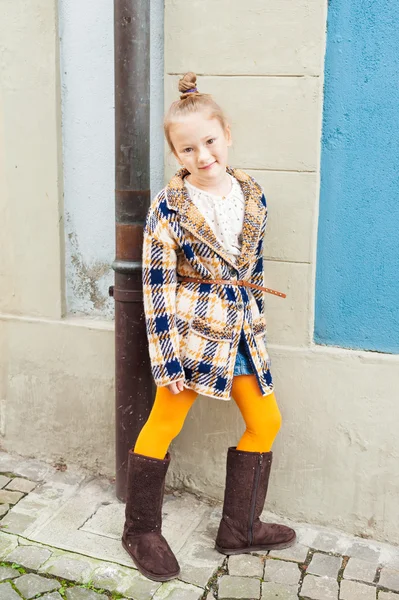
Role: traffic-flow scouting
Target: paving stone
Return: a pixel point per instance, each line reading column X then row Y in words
column 138, row 587
column 111, row 576
column 240, row 588
column 31, row 585
column 352, row 590
column 389, row 578
column 4, row 508
column 198, row 559
column 77, row 593
column 7, row 543
column 278, row 571
column 197, row 575
column 7, row 592
column 177, row 590
column 331, row 542
column 4, row 480
column 21, row 485
column 8, row 573
column 31, row 557
column 364, row 550
column 15, row 522
column 297, row 553
column 387, row 596
column 52, row 596
column 319, row 588
column 7, row 497
column 325, row 565
column 68, row 568
column 72, row 569
column 305, row 534
column 279, row 591
column 361, row 570
column 245, row 565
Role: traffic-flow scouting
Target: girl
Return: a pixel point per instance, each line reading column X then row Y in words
column 203, row 301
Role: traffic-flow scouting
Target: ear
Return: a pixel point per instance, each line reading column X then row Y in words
column 227, row 133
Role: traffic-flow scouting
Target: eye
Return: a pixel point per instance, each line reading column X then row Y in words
column 187, row 150
column 211, row 141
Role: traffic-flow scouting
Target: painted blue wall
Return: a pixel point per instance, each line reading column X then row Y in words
column 357, row 275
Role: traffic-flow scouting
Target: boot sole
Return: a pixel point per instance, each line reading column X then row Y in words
column 146, row 573
column 263, row 547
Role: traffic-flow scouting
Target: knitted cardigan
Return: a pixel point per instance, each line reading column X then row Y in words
column 194, row 329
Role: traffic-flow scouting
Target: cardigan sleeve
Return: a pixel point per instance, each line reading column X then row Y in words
column 159, row 291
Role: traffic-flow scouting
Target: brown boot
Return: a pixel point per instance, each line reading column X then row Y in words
column 240, row 529
column 142, row 537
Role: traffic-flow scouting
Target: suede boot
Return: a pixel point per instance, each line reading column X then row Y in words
column 240, row 529
column 142, row 537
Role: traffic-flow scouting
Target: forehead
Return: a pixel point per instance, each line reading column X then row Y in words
column 194, row 127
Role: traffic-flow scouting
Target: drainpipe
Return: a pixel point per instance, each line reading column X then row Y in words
column 133, row 384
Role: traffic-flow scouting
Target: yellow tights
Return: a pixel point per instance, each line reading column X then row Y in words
column 260, row 413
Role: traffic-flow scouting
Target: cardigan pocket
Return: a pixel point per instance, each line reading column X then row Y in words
column 212, row 331
column 259, row 328
column 206, row 353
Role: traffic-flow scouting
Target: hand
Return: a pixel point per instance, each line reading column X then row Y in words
column 176, row 387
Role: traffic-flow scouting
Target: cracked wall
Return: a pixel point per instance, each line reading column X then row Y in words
column 87, row 78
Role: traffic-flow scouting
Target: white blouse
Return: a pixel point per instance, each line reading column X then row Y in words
column 224, row 214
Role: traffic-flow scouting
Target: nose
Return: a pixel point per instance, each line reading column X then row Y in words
column 203, row 155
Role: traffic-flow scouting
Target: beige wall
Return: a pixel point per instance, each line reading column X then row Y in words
column 335, row 460
column 30, row 181
column 336, row 457
column 56, row 373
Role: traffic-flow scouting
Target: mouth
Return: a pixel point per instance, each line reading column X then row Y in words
column 208, row 166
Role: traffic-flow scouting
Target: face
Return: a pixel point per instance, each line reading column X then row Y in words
column 201, row 146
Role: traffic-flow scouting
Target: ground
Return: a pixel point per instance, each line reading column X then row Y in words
column 60, row 534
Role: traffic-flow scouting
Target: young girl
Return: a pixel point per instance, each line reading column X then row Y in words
column 203, row 301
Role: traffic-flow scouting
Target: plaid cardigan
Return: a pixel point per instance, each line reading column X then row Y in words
column 194, row 329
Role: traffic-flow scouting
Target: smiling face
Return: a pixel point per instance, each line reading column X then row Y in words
column 201, row 146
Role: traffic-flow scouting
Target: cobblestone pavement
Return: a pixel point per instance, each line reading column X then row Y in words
column 60, row 539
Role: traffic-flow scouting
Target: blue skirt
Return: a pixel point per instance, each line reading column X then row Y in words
column 243, row 364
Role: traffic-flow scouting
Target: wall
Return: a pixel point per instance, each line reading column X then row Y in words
column 336, row 456
column 87, row 75
column 358, row 243
column 335, row 461
column 57, row 213
column 56, row 372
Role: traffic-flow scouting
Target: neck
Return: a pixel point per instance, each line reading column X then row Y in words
column 220, row 186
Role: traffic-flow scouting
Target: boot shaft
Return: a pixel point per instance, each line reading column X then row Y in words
column 145, row 492
column 247, row 478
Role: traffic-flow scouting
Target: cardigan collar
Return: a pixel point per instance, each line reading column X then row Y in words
column 191, row 218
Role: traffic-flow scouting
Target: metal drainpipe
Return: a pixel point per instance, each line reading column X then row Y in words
column 133, row 393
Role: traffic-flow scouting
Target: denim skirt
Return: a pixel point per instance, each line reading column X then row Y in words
column 243, row 364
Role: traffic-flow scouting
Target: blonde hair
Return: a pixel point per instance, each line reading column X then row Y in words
column 191, row 100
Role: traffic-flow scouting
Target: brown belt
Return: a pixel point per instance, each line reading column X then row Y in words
column 238, row 282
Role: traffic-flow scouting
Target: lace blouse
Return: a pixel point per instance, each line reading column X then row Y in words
column 224, row 214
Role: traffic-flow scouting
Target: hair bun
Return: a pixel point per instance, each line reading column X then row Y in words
column 186, row 83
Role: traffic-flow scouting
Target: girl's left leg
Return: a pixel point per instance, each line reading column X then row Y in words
column 247, row 477
column 260, row 413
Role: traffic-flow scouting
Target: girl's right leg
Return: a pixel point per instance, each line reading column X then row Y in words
column 165, row 422
column 147, row 466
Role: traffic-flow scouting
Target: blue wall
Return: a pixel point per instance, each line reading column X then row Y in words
column 357, row 277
